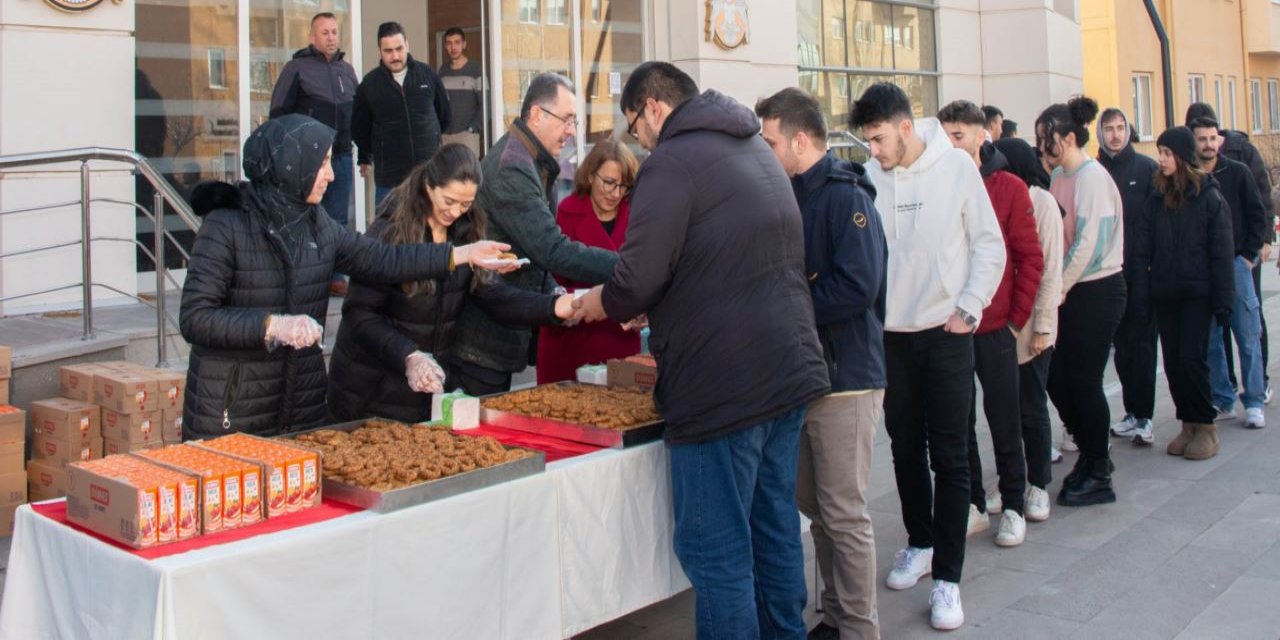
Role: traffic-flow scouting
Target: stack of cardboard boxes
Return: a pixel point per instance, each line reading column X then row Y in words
column 104, row 408
column 13, row 426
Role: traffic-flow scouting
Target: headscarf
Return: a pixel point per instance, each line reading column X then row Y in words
column 281, row 160
column 1022, row 162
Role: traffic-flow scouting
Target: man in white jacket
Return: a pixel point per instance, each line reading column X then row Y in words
column 946, row 259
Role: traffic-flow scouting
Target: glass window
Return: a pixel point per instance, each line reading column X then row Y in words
column 869, row 50
column 529, row 12
column 1255, row 101
column 1142, row 105
column 556, row 12
column 217, row 68
column 610, row 50
column 1273, row 95
column 1195, row 84
column 595, row 10
column 909, row 57
column 1231, row 101
column 1217, row 95
column 530, row 48
column 837, row 28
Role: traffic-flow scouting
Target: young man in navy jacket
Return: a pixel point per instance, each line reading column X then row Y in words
column 845, row 262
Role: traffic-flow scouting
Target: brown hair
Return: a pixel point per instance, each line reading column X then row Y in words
column 407, row 206
column 604, row 151
column 1178, row 188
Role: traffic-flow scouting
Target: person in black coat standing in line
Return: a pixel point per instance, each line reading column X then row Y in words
column 399, row 113
column 258, row 281
column 393, row 336
column 1184, row 276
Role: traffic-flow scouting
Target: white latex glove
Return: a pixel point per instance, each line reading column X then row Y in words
column 423, row 374
column 297, row 331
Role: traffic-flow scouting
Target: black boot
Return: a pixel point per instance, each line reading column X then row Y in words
column 1092, row 487
column 1077, row 472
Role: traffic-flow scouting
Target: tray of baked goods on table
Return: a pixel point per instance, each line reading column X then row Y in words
column 612, row 416
column 382, row 466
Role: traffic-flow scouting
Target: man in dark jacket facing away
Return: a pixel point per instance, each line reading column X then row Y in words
column 1135, row 341
column 399, row 112
column 844, row 255
column 1236, row 146
column 518, row 193
column 715, row 257
column 319, row 83
column 1248, row 226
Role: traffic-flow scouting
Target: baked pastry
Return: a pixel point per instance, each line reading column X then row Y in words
column 593, row 405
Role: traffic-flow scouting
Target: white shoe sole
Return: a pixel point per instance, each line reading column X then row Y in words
column 903, row 586
column 946, row 625
column 1037, row 517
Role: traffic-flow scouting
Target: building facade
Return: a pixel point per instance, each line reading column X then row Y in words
column 184, row 82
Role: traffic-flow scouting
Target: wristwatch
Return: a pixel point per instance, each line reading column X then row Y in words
column 967, row 317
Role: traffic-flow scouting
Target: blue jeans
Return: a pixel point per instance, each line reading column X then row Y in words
column 1246, row 326
column 337, row 198
column 737, row 530
column 380, row 194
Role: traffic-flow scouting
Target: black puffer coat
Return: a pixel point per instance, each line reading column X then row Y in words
column 238, row 275
column 382, row 325
column 398, row 126
column 1184, row 253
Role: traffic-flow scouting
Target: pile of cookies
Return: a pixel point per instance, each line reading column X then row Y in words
column 384, row 455
column 586, row 404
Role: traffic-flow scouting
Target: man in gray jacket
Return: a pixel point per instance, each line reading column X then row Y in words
column 518, row 194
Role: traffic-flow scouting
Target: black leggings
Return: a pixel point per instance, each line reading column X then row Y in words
column 1087, row 323
column 1184, row 336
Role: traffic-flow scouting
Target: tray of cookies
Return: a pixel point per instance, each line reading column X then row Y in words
column 614, row 416
column 384, row 466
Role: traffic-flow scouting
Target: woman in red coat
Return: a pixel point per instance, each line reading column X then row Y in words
column 596, row 215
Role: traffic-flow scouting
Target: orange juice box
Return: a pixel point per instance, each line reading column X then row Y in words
column 289, row 477
column 220, row 487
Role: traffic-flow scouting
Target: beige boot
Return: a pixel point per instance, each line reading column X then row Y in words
column 1179, row 444
column 1204, row 444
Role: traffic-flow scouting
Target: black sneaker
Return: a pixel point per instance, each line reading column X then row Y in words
column 824, row 631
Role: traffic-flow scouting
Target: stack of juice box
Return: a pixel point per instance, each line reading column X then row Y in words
column 292, row 473
column 133, row 501
column 231, row 489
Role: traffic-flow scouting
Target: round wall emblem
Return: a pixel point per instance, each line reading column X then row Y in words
column 76, row 6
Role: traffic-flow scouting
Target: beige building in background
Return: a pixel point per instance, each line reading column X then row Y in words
column 1224, row 52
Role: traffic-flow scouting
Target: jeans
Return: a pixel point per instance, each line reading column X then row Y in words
column 1135, row 363
column 337, row 198
column 737, row 530
column 926, row 411
column 1184, row 338
column 1246, row 326
column 1037, row 436
column 995, row 359
column 1087, row 323
column 832, row 482
column 380, row 194
column 1266, row 348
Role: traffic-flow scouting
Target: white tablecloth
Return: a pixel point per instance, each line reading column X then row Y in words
column 542, row 557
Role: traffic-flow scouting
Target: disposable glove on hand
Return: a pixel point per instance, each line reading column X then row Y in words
column 297, row 331
column 423, row 374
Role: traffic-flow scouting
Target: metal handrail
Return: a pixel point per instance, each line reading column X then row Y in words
column 164, row 192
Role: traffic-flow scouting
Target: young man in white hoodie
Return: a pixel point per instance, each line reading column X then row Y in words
column 946, row 259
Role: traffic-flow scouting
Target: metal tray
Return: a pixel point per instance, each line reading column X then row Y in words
column 585, row 433
column 431, row 490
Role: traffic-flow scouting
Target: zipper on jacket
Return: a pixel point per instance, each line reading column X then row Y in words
column 229, row 397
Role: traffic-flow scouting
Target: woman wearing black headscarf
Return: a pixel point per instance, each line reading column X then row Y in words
column 257, row 287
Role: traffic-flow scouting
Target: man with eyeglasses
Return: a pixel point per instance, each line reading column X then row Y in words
column 518, row 194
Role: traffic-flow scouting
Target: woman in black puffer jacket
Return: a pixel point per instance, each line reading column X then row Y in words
column 257, row 287
column 1183, row 274
column 384, row 325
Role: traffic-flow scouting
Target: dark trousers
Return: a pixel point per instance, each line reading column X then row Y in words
column 474, row 379
column 1266, row 347
column 1135, row 363
column 995, row 360
column 1087, row 324
column 1184, row 338
column 926, row 407
column 1037, row 436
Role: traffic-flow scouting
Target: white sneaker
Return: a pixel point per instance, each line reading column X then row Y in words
column 944, row 603
column 995, row 504
column 1124, row 428
column 909, row 565
column 1037, row 504
column 1221, row 414
column 1254, row 419
column 1055, row 455
column 1069, row 443
column 978, row 521
column 1267, row 395
column 1013, row 530
column 1142, row 434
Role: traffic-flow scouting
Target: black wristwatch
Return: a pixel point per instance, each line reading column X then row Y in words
column 967, row 317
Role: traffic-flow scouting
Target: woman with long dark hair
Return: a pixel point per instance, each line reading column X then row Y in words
column 257, row 286
column 1183, row 275
column 1093, row 294
column 392, row 336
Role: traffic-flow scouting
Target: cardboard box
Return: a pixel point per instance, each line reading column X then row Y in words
column 45, row 481
column 112, row 447
column 6, row 362
column 171, row 425
column 13, row 488
column 291, row 475
column 171, row 385
column 12, row 454
column 630, row 373
column 7, row 513
column 13, row 423
column 59, row 453
column 75, row 381
column 112, row 508
column 126, row 391
column 4, row 391
column 71, row 421
column 139, row 428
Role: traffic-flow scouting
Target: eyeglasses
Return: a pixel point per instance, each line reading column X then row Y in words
column 570, row 122
column 631, row 126
column 610, row 185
